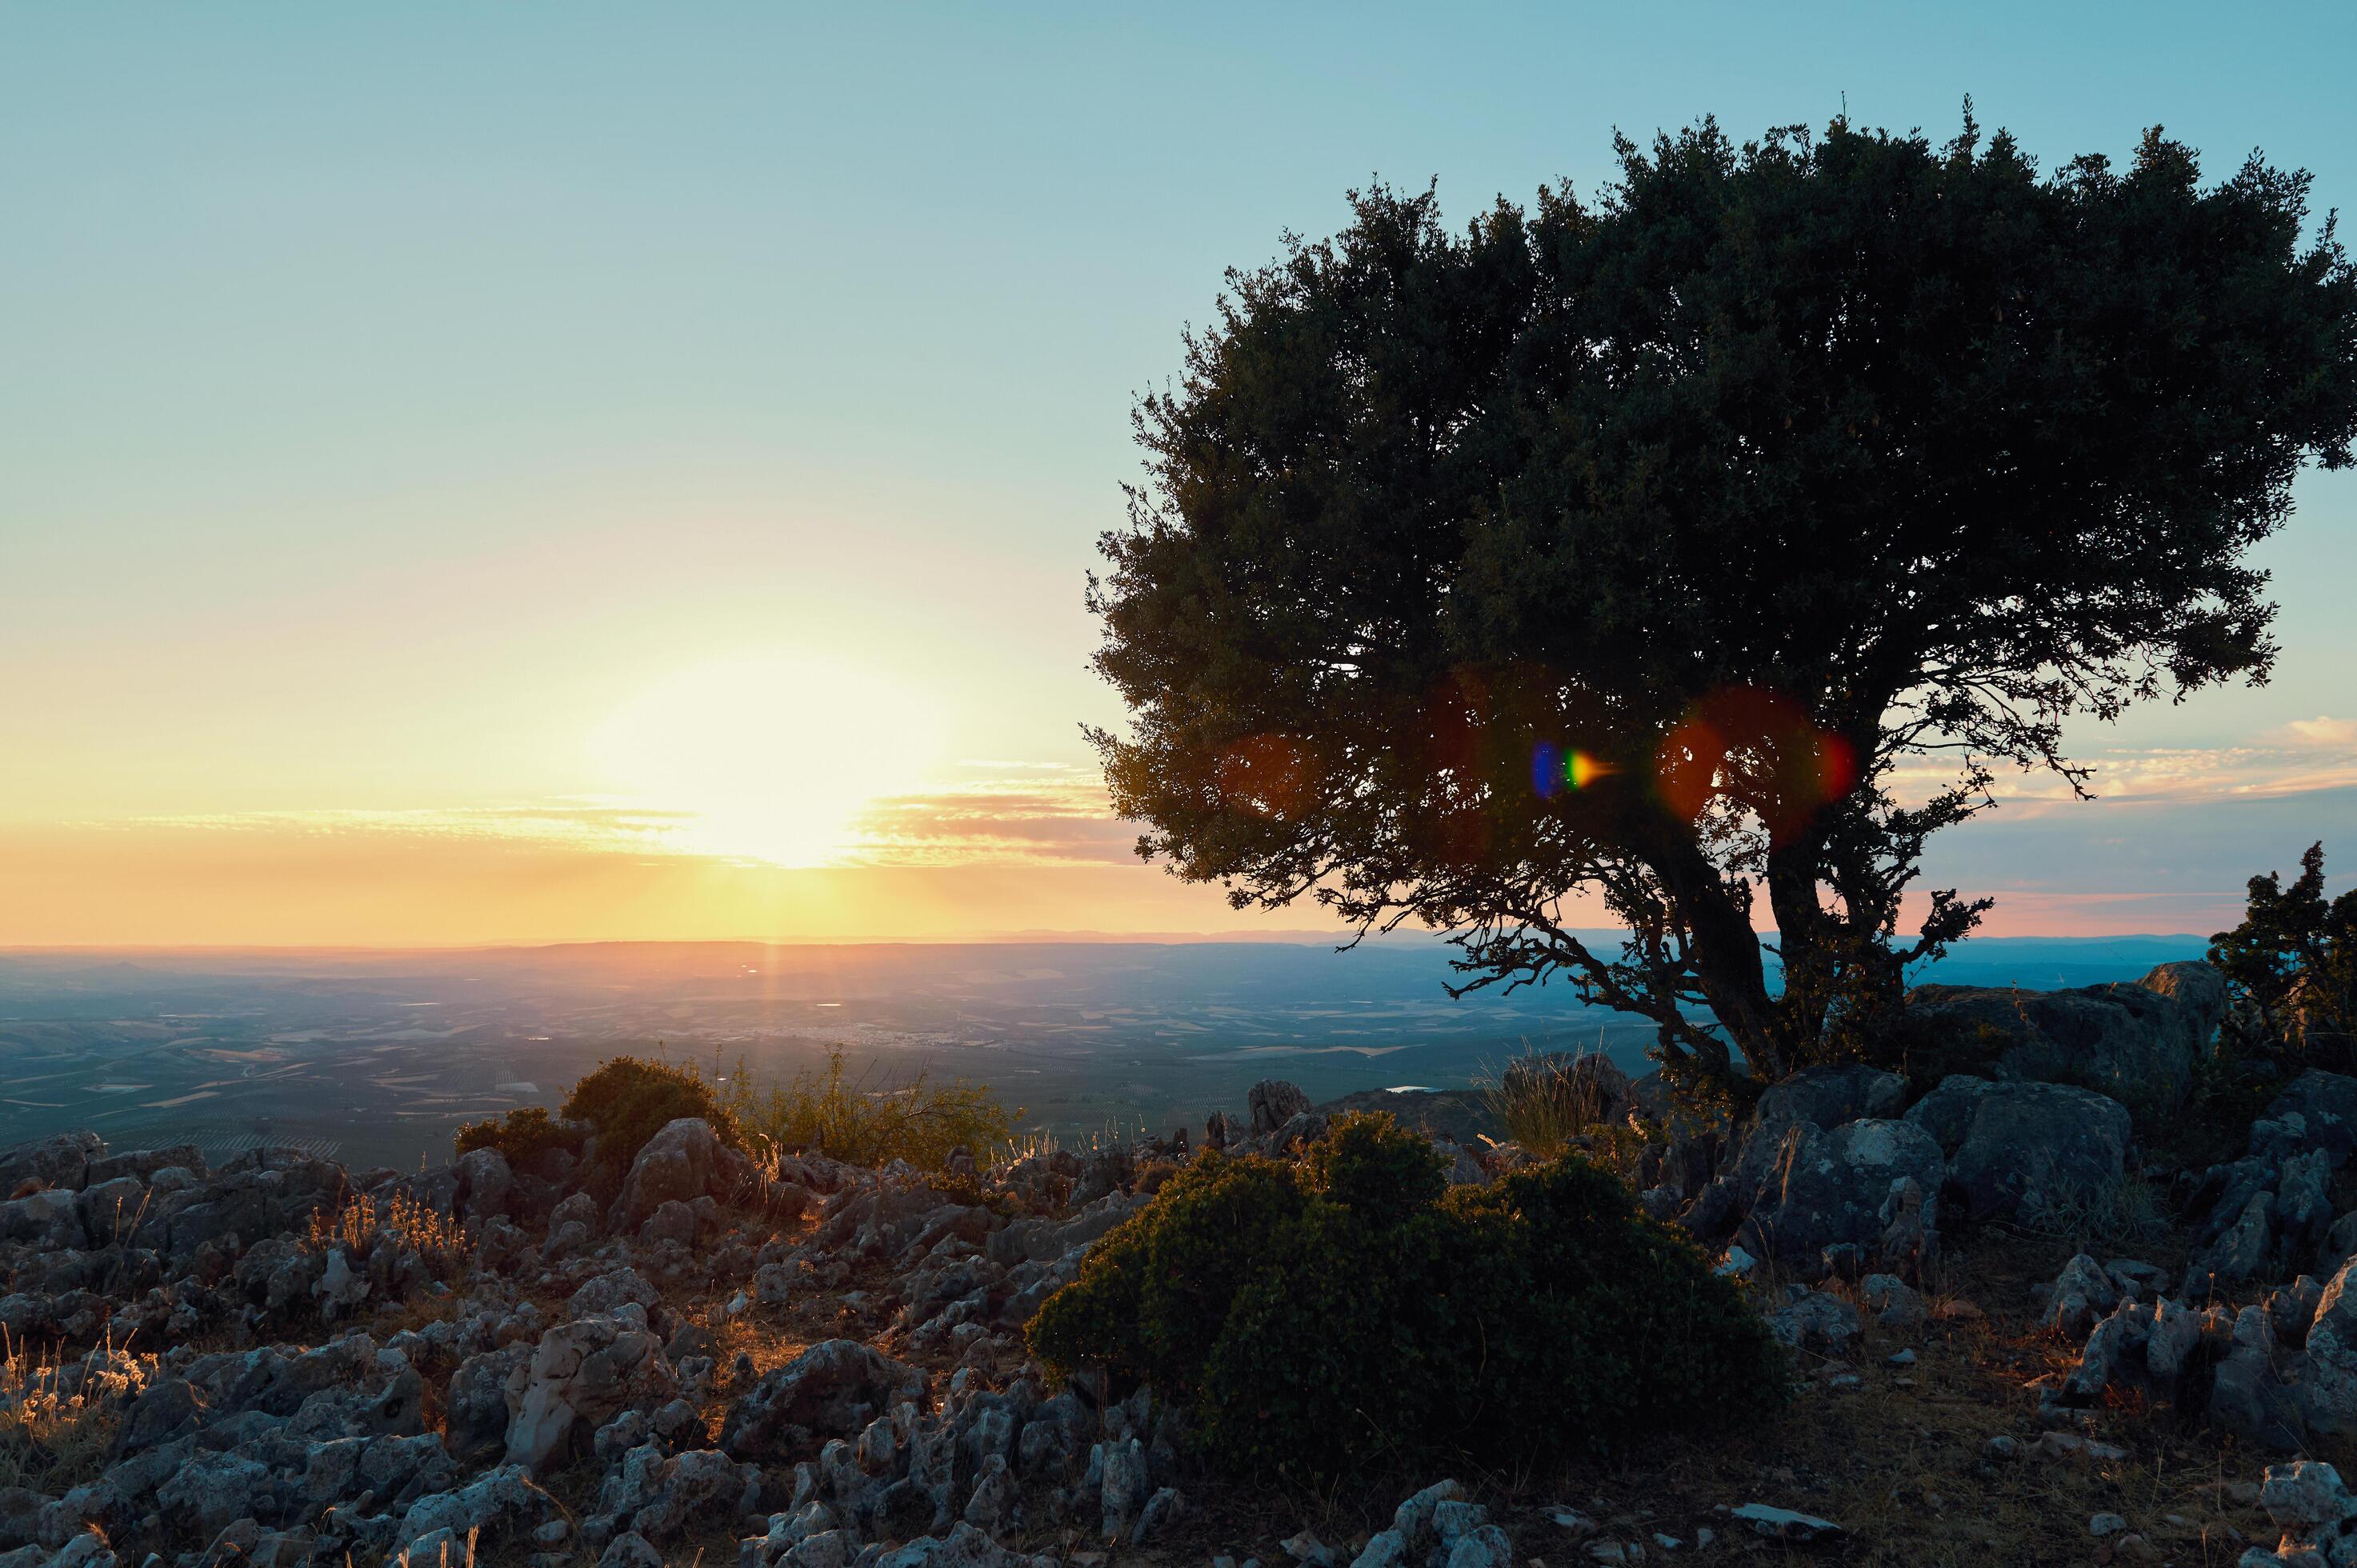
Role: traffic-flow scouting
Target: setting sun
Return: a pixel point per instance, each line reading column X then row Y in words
column 768, row 756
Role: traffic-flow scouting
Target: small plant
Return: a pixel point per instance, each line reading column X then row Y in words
column 1353, row 1313
column 2123, row 1212
column 866, row 1122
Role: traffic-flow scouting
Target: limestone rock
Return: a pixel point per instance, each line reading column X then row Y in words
column 1273, row 1102
column 2017, row 1147
column 685, row 1161
column 579, row 1376
column 831, row 1389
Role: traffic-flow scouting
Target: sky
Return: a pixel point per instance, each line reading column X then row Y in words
column 477, row 474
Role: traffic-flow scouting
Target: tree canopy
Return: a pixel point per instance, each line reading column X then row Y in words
column 2294, row 957
column 1716, row 538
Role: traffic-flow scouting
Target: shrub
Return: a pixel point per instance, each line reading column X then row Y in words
column 522, row 1137
column 919, row 1121
column 1353, row 1313
column 1379, row 1170
column 629, row 1100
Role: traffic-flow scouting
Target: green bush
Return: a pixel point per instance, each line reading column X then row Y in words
column 863, row 1123
column 1350, row 1314
column 629, row 1100
column 2292, row 964
column 522, row 1137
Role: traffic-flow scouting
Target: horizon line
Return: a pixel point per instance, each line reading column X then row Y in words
column 997, row 938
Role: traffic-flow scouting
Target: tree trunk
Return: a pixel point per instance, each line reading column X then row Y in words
column 1726, row 962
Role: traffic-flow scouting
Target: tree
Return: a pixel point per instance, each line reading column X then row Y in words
column 1632, row 549
column 2294, row 957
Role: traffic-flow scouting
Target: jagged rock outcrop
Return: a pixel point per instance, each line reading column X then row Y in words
column 2132, row 1043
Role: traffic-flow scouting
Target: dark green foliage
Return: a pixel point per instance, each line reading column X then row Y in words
column 2294, row 957
column 1629, row 547
column 1379, row 1170
column 1152, row 1295
column 1320, row 1334
column 522, row 1137
column 629, row 1100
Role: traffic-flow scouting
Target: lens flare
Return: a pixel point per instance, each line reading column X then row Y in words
column 1761, row 749
column 1555, row 768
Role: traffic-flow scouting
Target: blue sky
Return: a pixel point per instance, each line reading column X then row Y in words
column 392, row 395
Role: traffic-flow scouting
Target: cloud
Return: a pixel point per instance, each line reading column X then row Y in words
column 2183, row 774
column 594, row 825
column 2322, row 731
column 1027, row 821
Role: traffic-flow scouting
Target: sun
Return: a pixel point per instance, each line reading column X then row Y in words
column 770, row 757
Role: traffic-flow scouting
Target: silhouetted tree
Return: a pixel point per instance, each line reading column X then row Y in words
column 2293, row 961
column 1633, row 548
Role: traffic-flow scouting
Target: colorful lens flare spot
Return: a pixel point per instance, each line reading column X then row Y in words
column 1554, row 769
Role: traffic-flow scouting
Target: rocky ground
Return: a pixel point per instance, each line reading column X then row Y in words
column 2034, row 1320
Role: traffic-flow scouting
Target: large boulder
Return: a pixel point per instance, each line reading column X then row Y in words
column 581, row 1374
column 483, row 1183
column 831, row 1389
column 2015, row 1147
column 1815, row 1189
column 685, row 1162
column 2316, row 1513
column 498, row 1509
column 2135, row 1043
column 62, row 1159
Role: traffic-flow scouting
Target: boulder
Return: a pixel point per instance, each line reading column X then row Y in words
column 580, row 1376
column 2328, row 1382
column 62, row 1159
column 2315, row 1512
column 609, row 1292
column 659, row 1497
column 476, row 1409
column 2326, row 1105
column 1825, row 1188
column 686, row 1161
column 673, row 1221
column 496, row 1508
column 574, row 1208
column 484, row 1183
column 831, row 1389
column 2017, row 1147
column 1831, row 1095
column 2082, row 1294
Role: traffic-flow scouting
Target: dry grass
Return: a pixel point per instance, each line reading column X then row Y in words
column 358, row 1221
column 1543, row 1103
column 51, row 1441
